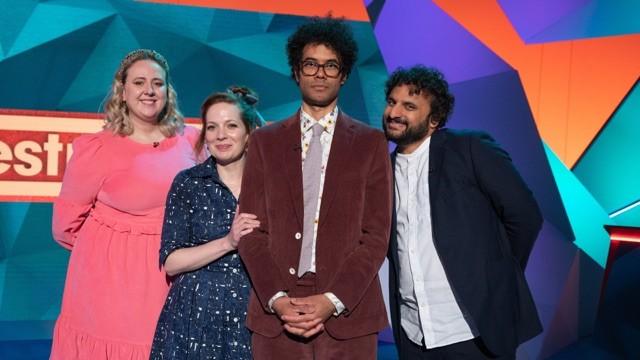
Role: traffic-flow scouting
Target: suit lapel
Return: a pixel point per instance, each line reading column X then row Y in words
column 338, row 161
column 292, row 159
column 394, row 218
column 436, row 155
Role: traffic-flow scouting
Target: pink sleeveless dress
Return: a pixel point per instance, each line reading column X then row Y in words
column 109, row 214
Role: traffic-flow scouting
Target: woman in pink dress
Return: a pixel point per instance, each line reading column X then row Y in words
column 109, row 214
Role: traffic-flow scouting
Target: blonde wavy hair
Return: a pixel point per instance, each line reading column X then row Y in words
column 170, row 120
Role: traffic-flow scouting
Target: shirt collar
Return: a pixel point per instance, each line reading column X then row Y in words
column 418, row 152
column 328, row 121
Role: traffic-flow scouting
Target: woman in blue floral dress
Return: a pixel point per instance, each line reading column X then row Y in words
column 204, row 314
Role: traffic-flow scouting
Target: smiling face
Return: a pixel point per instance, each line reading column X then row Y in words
column 145, row 91
column 226, row 135
column 319, row 90
column 406, row 119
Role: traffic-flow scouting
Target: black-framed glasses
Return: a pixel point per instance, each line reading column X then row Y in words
column 310, row 68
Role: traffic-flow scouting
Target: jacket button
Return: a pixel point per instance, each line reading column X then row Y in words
column 298, row 236
column 292, row 271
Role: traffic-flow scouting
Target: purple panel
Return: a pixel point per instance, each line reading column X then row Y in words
column 529, row 17
column 413, row 32
column 547, row 273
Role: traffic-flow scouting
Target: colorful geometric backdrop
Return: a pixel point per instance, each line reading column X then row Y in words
column 556, row 83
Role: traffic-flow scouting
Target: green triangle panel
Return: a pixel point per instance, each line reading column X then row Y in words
column 94, row 79
column 586, row 215
column 50, row 21
column 268, row 50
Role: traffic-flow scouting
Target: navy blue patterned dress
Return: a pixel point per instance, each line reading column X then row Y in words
column 204, row 315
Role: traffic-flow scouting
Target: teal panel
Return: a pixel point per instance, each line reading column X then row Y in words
column 50, row 21
column 32, row 269
column 90, row 84
column 229, row 24
column 267, row 50
column 13, row 16
column 218, row 69
column 174, row 46
column 609, row 168
column 372, row 78
column 595, row 20
column 351, row 99
column 42, row 87
column 630, row 216
column 586, row 215
column 265, row 20
column 282, row 111
column 187, row 21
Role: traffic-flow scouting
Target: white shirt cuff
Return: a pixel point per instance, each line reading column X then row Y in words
column 336, row 302
column 273, row 299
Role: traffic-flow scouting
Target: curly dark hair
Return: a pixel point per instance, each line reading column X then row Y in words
column 331, row 32
column 432, row 82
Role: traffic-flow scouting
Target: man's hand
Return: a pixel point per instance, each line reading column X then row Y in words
column 313, row 311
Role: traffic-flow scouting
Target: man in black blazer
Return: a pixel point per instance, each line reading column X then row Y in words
column 464, row 224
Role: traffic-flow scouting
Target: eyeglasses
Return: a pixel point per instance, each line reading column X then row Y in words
column 310, row 68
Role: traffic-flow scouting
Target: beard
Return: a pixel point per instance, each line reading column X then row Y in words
column 410, row 135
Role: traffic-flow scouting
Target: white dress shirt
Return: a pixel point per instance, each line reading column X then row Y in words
column 328, row 122
column 429, row 313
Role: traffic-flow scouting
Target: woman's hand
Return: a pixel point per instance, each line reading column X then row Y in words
column 243, row 224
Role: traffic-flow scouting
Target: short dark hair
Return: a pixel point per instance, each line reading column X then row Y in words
column 332, row 32
column 434, row 85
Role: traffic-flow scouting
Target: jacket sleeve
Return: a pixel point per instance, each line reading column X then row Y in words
column 254, row 247
column 361, row 266
column 509, row 195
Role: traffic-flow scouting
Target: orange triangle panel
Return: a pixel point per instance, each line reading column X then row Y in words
column 349, row 9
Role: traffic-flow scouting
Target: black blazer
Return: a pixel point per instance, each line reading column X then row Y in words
column 484, row 223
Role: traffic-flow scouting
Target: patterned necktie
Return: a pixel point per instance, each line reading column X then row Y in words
column 311, row 188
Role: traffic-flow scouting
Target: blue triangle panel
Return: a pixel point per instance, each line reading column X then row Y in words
column 504, row 113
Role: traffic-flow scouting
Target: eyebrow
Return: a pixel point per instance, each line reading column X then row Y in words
column 316, row 60
column 144, row 78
